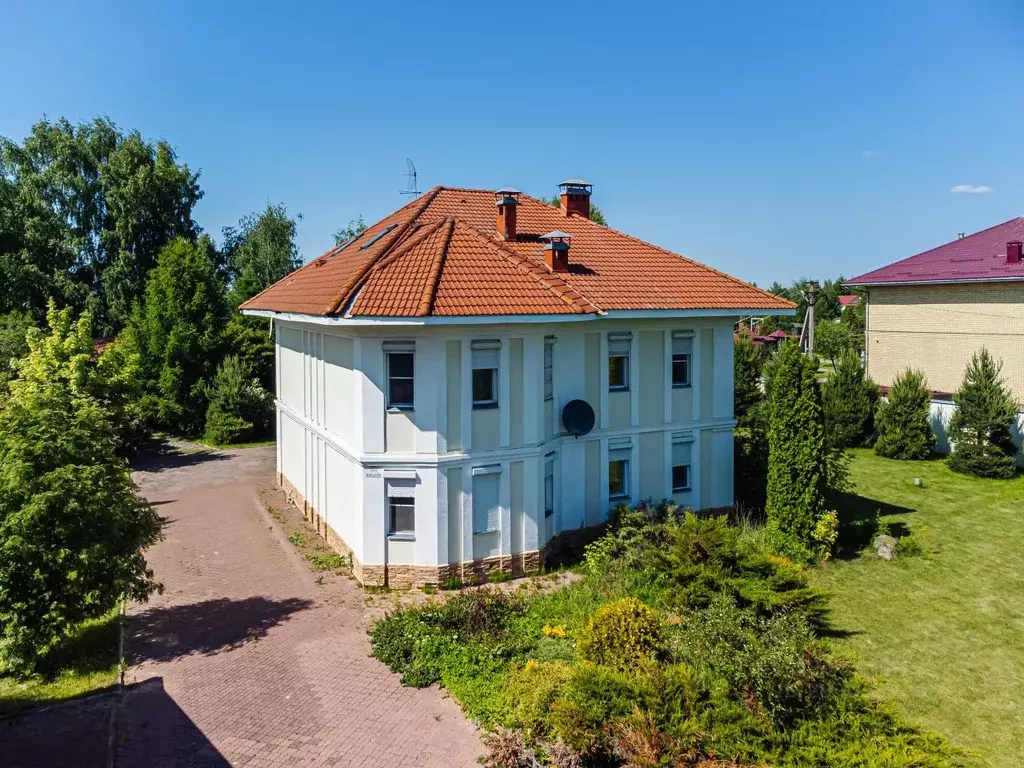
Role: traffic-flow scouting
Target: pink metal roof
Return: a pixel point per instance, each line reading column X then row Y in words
column 977, row 257
column 851, row 300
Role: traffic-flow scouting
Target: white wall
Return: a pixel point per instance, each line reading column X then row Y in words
column 942, row 412
column 337, row 442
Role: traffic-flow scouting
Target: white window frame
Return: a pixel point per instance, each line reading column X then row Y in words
column 549, row 368
column 480, row 473
column 689, row 466
column 620, row 346
column 622, row 454
column 399, row 348
column 400, row 492
column 486, row 355
column 682, row 347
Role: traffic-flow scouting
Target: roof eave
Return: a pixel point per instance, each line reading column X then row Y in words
column 860, row 283
column 614, row 314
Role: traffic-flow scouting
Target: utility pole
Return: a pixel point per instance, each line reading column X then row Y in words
column 812, row 288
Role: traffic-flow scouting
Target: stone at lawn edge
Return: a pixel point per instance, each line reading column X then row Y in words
column 886, row 547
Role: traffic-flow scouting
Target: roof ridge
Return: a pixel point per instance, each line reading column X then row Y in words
column 430, row 289
column 357, row 279
column 566, row 292
column 855, row 280
column 628, row 236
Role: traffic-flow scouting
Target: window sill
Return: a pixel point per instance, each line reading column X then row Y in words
column 618, row 389
column 682, row 490
column 682, row 386
column 401, row 537
column 618, row 497
column 400, row 409
column 549, row 512
column 484, row 406
column 484, row 533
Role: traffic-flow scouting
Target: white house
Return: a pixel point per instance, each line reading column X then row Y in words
column 425, row 366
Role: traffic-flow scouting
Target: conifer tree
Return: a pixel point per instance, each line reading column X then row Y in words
column 181, row 328
column 746, row 377
column 848, row 399
column 980, row 427
column 903, row 420
column 798, row 474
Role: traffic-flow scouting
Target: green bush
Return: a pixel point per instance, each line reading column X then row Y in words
column 979, row 430
column 797, row 452
column 848, row 400
column 531, row 691
column 623, row 634
column 240, row 409
column 903, row 419
column 594, row 697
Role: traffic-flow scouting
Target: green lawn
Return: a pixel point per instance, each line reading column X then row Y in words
column 943, row 631
column 85, row 664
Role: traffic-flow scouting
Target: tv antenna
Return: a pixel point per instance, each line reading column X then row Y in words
column 411, row 187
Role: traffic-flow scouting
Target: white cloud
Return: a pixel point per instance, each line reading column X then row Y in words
column 871, row 153
column 970, row 189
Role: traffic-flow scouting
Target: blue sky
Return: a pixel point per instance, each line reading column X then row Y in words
column 807, row 139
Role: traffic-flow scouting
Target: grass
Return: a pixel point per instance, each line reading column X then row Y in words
column 943, row 631
column 235, row 446
column 85, row 664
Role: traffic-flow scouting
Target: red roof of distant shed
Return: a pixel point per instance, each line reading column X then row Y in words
column 976, row 258
column 441, row 255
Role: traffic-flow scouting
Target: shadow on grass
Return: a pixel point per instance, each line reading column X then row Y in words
column 211, row 626
column 858, row 522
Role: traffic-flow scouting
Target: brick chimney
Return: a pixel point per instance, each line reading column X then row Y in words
column 575, row 195
column 506, row 200
column 1013, row 252
column 556, row 252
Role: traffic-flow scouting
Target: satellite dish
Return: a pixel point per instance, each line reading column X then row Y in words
column 578, row 417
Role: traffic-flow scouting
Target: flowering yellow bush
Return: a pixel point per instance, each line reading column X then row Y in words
column 553, row 631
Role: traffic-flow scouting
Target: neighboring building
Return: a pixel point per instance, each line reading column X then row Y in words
column 849, row 301
column 933, row 311
column 425, row 371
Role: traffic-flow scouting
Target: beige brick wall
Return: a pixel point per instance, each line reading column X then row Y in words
column 937, row 328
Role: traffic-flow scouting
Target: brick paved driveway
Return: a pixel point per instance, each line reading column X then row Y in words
column 248, row 661
column 271, row 669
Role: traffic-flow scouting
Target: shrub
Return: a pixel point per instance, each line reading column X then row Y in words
column 980, row 427
column 833, row 340
column 622, row 634
column 902, row 419
column 239, row 408
column 531, row 691
column 747, row 363
column 797, row 455
column 750, row 459
column 594, row 697
column 506, row 749
column 848, row 400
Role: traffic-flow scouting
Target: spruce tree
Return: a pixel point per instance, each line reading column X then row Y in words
column 848, row 399
column 979, row 430
column 798, row 455
column 903, row 419
column 240, row 409
column 181, row 328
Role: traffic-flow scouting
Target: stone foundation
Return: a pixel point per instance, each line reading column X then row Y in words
column 403, row 576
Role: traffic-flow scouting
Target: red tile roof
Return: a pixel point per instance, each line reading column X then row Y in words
column 851, row 300
column 977, row 257
column 441, row 255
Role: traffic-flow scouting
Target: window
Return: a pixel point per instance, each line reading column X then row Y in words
column 549, row 369
column 400, row 379
column 681, row 466
column 486, row 507
column 485, row 373
column 618, row 360
column 401, row 507
column 618, row 473
column 549, row 488
column 377, row 237
column 682, row 348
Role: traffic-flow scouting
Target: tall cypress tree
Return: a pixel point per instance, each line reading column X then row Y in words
column 798, row 454
column 980, row 428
